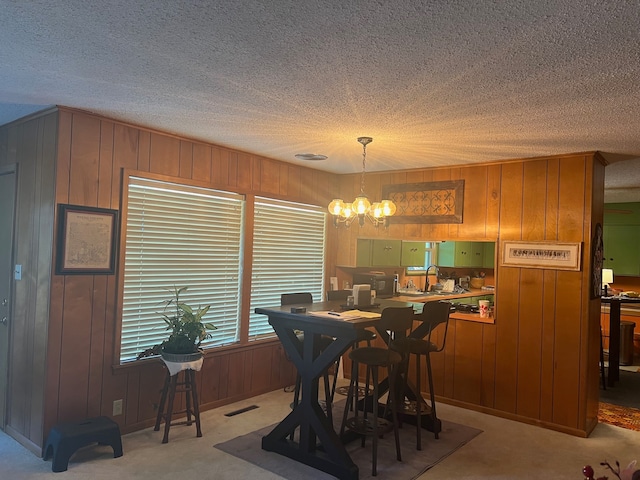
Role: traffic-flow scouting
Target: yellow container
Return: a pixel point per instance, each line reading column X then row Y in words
column 477, row 282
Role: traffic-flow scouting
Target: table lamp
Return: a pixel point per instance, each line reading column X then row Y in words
column 607, row 278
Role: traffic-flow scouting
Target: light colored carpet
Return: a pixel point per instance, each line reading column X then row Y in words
column 414, row 462
column 496, row 454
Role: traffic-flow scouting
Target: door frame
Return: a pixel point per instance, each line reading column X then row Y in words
column 9, row 170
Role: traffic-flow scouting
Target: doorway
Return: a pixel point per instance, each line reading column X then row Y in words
column 7, row 214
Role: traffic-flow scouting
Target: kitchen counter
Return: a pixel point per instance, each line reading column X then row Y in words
column 417, row 298
column 471, row 317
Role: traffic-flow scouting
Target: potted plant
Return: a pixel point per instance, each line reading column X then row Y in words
column 187, row 329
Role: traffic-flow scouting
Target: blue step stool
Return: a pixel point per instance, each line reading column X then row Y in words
column 65, row 438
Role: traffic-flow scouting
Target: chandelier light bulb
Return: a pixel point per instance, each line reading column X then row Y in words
column 378, row 213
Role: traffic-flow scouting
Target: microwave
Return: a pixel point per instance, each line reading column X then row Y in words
column 384, row 285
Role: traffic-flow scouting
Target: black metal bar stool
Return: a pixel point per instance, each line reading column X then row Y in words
column 173, row 384
column 433, row 314
column 397, row 321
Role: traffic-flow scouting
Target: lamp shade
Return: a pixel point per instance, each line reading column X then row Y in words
column 607, row 276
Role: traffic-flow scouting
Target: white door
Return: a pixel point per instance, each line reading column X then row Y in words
column 7, row 200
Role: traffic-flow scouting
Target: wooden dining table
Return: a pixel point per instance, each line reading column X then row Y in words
column 318, row 444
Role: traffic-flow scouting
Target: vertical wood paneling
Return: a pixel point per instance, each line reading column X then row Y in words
column 490, row 365
column 164, row 152
column 186, row 159
column 488, row 362
column 534, row 194
column 270, row 179
column 232, row 165
column 507, row 357
column 529, row 342
column 467, row 381
column 256, row 172
column 140, row 143
column 245, row 174
column 475, row 202
column 548, row 360
column 494, row 177
column 83, row 172
column 201, row 162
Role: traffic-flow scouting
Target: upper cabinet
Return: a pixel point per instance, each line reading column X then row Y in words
column 489, row 256
column 461, row 254
column 378, row 252
column 621, row 238
column 622, row 249
column 412, row 254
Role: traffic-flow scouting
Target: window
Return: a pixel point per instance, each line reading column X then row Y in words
column 430, row 256
column 176, row 236
column 288, row 256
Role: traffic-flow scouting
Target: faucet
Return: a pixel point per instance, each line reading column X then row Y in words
column 434, row 266
column 426, row 276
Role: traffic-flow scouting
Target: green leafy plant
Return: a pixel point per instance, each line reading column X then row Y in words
column 186, row 325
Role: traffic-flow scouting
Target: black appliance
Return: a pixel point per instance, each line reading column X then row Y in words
column 382, row 284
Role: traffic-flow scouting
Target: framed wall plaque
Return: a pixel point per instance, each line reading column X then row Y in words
column 86, row 241
column 426, row 202
column 553, row 255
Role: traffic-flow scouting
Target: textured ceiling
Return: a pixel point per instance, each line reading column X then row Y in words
column 433, row 82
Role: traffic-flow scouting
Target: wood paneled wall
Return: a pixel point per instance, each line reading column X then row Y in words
column 30, row 146
column 83, row 377
column 538, row 362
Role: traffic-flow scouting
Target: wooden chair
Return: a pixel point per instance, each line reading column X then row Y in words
column 397, row 321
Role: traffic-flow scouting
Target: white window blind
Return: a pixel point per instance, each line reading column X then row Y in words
column 180, row 236
column 288, row 256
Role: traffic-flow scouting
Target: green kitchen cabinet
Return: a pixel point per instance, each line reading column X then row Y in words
column 446, row 254
column 622, row 249
column 461, row 254
column 363, row 252
column 489, row 254
column 378, row 253
column 386, row 253
column 412, row 254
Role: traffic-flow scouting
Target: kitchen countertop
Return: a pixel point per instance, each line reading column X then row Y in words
column 417, row 298
column 471, row 317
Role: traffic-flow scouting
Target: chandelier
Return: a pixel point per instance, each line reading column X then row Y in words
column 378, row 213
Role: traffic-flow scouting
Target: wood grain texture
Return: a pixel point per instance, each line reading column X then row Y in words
column 535, row 361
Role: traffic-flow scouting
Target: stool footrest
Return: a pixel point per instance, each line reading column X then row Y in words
column 65, row 439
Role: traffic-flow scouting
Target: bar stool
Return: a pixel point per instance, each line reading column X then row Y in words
column 433, row 314
column 173, row 385
column 397, row 321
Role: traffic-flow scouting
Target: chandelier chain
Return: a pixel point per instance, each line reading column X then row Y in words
column 364, row 166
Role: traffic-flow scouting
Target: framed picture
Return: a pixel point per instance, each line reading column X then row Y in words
column 553, row 255
column 87, row 239
column 426, row 202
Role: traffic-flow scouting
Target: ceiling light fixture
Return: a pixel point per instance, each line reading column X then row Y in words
column 378, row 213
column 310, row 156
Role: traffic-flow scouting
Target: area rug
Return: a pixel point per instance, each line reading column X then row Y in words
column 414, row 463
column 625, row 417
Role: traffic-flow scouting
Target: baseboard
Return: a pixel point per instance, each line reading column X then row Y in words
column 24, row 441
column 576, row 432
